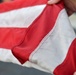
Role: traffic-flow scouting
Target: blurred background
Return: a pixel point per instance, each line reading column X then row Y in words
column 13, row 69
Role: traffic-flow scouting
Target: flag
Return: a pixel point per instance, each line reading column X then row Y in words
column 39, row 33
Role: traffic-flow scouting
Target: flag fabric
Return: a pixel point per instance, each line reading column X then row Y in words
column 39, row 33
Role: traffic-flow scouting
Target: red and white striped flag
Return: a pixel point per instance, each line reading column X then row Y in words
column 39, row 33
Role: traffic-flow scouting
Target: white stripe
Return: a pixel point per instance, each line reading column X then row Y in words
column 7, row 56
column 21, row 17
column 30, row 64
column 53, row 49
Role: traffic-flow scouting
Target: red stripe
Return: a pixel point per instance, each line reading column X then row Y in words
column 36, row 32
column 68, row 67
column 4, row 7
column 10, row 37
